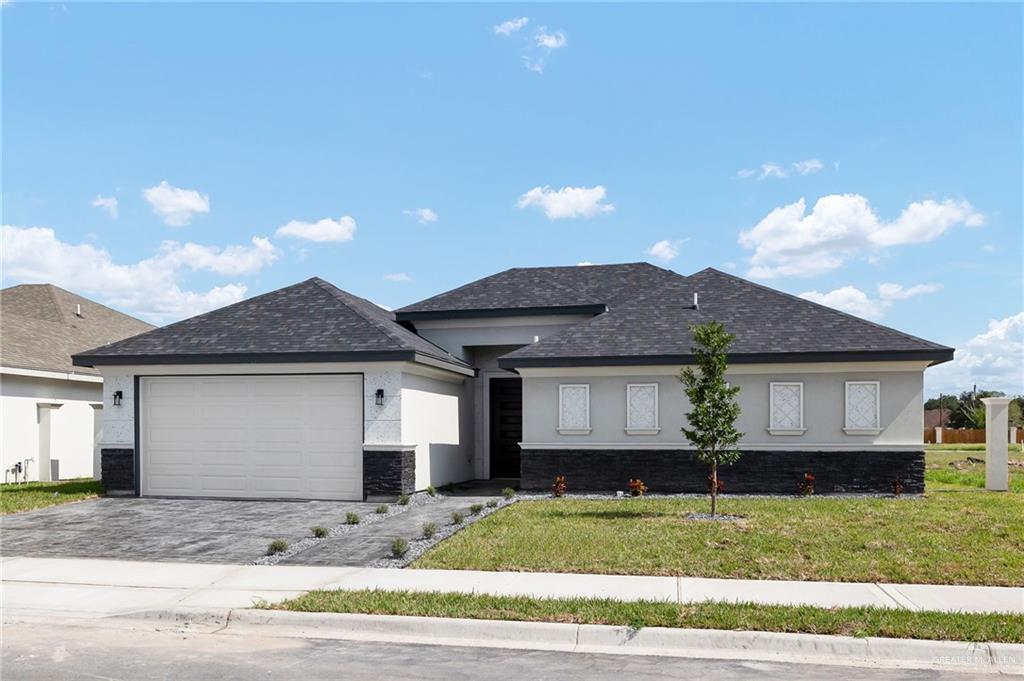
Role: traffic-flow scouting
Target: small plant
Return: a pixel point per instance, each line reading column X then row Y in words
column 351, row 518
column 457, row 517
column 431, row 490
column 399, row 547
column 897, row 486
column 403, row 499
column 558, row 489
column 637, row 487
column 508, row 492
column 318, row 531
column 429, row 530
column 807, row 484
column 277, row 546
column 717, row 483
column 493, row 503
column 382, row 509
column 475, row 509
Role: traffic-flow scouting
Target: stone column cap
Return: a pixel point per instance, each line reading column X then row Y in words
column 996, row 401
column 376, row 447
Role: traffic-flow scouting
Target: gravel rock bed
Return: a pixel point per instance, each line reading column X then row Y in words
column 418, row 499
column 720, row 517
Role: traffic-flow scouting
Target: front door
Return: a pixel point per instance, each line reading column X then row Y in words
column 506, row 426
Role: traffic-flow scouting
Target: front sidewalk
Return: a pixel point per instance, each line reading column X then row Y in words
column 92, row 588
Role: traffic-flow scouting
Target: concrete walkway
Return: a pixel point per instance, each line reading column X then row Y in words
column 91, row 588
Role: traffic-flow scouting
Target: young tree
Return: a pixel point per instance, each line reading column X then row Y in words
column 713, row 407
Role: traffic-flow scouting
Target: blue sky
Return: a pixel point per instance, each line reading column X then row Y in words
column 170, row 158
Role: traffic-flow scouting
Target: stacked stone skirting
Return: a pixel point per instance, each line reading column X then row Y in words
column 769, row 472
column 117, row 470
column 389, row 473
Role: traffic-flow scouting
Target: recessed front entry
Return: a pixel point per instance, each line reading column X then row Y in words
column 270, row 437
column 506, row 419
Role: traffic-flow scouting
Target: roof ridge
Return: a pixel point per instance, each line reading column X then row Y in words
column 826, row 307
column 335, row 292
column 56, row 303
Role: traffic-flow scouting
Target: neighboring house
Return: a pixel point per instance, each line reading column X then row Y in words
column 51, row 411
column 311, row 392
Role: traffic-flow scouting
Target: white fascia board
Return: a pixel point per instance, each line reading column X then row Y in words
column 734, row 369
column 425, row 365
column 492, row 322
column 751, row 446
column 53, row 375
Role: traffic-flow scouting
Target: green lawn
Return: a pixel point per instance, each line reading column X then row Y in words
column 728, row 616
column 947, row 468
column 945, row 537
column 16, row 498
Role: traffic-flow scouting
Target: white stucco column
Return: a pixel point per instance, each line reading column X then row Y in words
column 43, row 410
column 938, row 435
column 97, row 438
column 997, row 464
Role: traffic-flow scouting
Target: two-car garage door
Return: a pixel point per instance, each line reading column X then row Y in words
column 252, row 436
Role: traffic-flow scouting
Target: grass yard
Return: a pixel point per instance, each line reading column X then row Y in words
column 944, row 537
column 947, row 468
column 728, row 616
column 32, row 495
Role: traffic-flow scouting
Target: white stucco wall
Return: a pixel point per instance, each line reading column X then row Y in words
column 72, row 426
column 824, row 405
column 433, row 418
column 456, row 335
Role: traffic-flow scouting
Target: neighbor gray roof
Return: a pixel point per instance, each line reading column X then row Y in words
column 542, row 290
column 42, row 325
column 651, row 325
column 310, row 321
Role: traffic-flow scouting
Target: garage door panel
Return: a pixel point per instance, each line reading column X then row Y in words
column 247, row 436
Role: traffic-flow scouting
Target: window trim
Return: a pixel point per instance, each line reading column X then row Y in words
column 562, row 429
column 847, row 428
column 632, row 430
column 772, row 428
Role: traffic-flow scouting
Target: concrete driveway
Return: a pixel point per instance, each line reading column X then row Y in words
column 210, row 531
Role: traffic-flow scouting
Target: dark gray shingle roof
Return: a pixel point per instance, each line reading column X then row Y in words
column 653, row 325
column 309, row 321
column 41, row 328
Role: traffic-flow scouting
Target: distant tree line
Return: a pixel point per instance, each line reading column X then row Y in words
column 968, row 411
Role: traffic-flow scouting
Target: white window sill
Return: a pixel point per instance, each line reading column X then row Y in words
column 862, row 431
column 642, row 431
column 787, row 431
column 574, row 431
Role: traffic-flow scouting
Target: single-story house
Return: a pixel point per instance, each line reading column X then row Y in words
column 312, row 392
column 51, row 411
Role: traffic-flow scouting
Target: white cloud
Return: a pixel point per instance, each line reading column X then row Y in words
column 666, row 250
column 772, row 170
column 585, row 263
column 150, row 288
column 422, row 215
column 744, row 173
column 791, row 242
column 108, row 204
column 340, row 230
column 397, row 276
column 567, row 202
column 808, row 167
column 551, row 41
column 992, row 360
column 854, row 301
column 509, row 27
column 176, row 206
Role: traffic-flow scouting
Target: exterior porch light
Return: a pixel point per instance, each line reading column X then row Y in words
column 117, row 398
column 379, row 397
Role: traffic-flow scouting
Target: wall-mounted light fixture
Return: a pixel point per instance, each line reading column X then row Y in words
column 379, row 397
column 117, row 398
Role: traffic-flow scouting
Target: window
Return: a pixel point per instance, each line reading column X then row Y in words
column 863, row 408
column 574, row 409
column 786, row 409
column 642, row 409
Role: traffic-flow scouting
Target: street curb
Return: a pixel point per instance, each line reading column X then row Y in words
column 617, row 640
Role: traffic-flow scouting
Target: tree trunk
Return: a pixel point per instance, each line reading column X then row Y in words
column 714, row 488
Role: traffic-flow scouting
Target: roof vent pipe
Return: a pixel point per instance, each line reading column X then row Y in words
column 78, row 309
column 536, row 338
column 696, row 305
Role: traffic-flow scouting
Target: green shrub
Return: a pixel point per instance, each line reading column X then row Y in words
column 429, row 530
column 508, row 492
column 493, row 503
column 351, row 518
column 399, row 547
column 277, row 546
column 403, row 499
column 318, row 531
column 457, row 517
column 382, row 509
column 475, row 509
column 431, row 490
